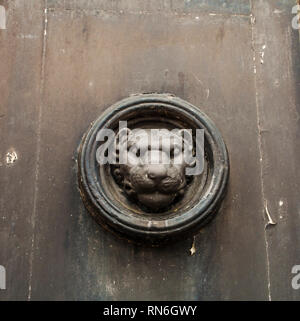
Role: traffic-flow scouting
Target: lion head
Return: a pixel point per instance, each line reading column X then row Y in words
column 153, row 168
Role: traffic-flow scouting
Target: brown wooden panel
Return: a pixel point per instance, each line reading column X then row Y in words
column 93, row 53
column 278, row 81
column 20, row 65
column 95, row 59
column 157, row 6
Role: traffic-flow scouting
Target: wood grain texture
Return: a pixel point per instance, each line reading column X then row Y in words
column 278, row 101
column 95, row 60
column 61, row 67
column 158, row 6
column 20, row 65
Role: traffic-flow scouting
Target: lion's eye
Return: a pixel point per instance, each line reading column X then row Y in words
column 174, row 152
column 135, row 151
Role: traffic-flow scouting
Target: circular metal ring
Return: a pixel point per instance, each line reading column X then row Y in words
column 111, row 208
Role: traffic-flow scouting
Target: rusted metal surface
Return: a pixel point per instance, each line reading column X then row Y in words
column 61, row 67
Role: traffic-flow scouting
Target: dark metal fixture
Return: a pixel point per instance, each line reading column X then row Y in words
column 153, row 201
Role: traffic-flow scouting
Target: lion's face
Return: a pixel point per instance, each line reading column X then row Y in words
column 154, row 172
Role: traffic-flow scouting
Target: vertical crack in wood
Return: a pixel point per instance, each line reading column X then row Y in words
column 38, row 146
column 260, row 147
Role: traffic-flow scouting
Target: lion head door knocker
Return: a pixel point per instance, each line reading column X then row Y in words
column 154, row 174
column 153, row 168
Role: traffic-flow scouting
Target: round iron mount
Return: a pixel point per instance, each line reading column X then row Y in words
column 143, row 201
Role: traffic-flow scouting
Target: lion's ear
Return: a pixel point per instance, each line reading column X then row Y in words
column 122, row 135
column 187, row 136
column 187, row 139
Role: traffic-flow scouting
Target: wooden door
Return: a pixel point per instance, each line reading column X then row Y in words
column 62, row 63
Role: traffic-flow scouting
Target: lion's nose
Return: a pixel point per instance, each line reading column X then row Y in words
column 157, row 171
